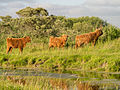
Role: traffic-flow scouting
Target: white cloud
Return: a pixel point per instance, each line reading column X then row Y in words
column 104, row 3
column 15, row 5
column 106, row 9
column 10, row 7
column 114, row 20
column 82, row 10
column 109, row 9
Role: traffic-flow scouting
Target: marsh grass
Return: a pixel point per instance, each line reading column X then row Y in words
column 103, row 57
column 35, row 83
column 43, row 83
column 31, row 83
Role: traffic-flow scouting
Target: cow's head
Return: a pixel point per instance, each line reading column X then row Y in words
column 27, row 39
column 99, row 31
column 65, row 37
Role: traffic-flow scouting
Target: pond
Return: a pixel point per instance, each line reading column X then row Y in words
column 58, row 80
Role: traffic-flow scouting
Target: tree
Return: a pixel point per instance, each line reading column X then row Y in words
column 5, row 18
column 29, row 12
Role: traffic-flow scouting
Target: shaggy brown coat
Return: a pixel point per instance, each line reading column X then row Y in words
column 88, row 37
column 57, row 41
column 17, row 43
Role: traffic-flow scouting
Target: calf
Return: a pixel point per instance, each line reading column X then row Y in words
column 17, row 43
column 88, row 37
column 57, row 41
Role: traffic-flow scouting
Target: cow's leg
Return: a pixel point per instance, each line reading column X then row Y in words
column 82, row 44
column 79, row 44
column 93, row 43
column 8, row 49
column 86, row 43
column 76, row 45
column 11, row 49
column 50, row 47
column 21, row 49
column 62, row 46
column 58, row 46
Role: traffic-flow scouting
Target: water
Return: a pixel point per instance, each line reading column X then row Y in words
column 85, row 79
column 33, row 72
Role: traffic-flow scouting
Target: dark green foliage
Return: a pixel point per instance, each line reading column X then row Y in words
column 3, row 58
column 6, row 18
column 31, row 60
column 20, row 62
column 28, row 12
column 36, row 23
column 111, row 32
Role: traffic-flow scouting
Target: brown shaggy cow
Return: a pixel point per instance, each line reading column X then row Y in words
column 57, row 41
column 88, row 37
column 17, row 43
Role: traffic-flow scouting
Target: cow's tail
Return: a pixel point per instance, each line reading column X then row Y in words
column 50, row 41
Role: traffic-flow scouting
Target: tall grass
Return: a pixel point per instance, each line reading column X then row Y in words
column 104, row 56
column 42, row 83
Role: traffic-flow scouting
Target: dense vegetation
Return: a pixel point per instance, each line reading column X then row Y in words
column 36, row 23
column 39, row 25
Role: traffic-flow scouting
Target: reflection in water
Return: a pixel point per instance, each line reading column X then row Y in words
column 67, row 80
column 16, row 80
column 87, row 86
column 59, row 84
column 64, row 85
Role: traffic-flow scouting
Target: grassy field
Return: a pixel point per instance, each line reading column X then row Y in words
column 102, row 57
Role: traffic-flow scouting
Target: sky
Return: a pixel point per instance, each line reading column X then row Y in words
column 108, row 10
